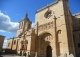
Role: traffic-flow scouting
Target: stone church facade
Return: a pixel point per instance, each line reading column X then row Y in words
column 56, row 33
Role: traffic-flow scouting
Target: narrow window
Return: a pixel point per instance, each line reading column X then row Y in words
column 14, row 42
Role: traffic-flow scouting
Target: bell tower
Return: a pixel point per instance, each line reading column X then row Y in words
column 24, row 25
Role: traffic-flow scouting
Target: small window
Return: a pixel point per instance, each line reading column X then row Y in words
column 78, row 45
column 59, row 31
column 29, row 26
column 14, row 42
column 19, row 26
column 22, row 25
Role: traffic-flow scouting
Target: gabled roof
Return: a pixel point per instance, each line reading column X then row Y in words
column 53, row 3
column 46, row 6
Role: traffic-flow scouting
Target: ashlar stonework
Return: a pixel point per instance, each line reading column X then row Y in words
column 56, row 33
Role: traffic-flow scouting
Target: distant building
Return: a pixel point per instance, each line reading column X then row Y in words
column 56, row 33
column 1, row 42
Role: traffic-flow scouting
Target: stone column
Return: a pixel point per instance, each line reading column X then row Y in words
column 55, row 35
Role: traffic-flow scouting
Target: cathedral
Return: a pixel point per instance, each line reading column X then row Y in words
column 56, row 33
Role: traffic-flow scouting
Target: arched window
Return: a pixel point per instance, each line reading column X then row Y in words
column 14, row 42
column 59, row 31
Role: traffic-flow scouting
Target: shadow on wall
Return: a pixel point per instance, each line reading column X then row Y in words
column 9, row 51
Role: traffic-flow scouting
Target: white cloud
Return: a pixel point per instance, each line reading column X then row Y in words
column 6, row 25
column 5, row 41
column 4, row 44
column 2, row 31
column 33, row 24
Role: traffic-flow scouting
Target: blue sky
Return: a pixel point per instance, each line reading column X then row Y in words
column 12, row 11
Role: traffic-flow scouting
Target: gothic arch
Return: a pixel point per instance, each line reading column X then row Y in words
column 44, row 42
column 43, row 33
column 46, row 37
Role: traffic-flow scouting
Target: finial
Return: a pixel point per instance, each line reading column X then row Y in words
column 26, row 15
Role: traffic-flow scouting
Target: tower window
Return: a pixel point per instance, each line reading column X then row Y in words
column 14, row 42
column 19, row 26
column 22, row 25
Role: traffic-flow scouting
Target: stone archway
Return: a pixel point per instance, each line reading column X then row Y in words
column 45, row 45
column 48, row 51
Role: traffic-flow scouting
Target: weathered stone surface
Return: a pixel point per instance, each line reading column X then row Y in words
column 52, row 35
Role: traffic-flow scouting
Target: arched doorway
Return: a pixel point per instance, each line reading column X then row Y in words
column 49, row 51
column 45, row 42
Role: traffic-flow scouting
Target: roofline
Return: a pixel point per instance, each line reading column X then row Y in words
column 76, row 14
column 47, row 6
column 10, row 38
column 2, row 35
column 13, row 38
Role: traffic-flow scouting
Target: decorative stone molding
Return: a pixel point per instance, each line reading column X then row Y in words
column 45, row 26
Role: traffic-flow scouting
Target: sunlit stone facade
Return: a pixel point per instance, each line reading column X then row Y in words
column 56, row 33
